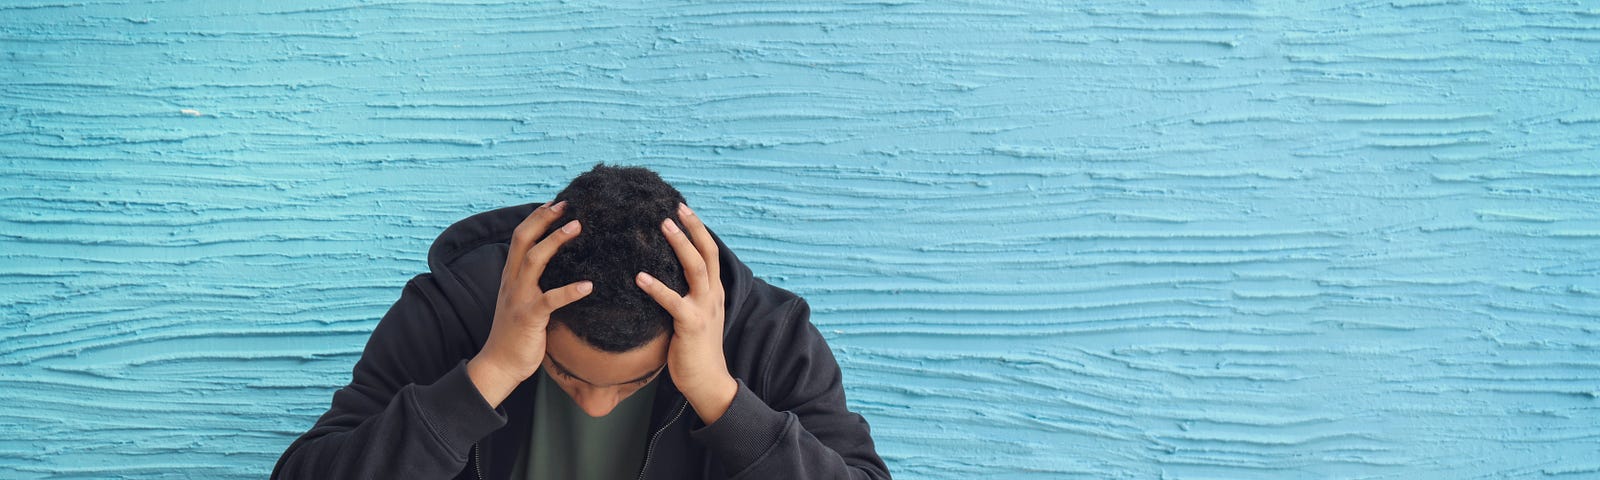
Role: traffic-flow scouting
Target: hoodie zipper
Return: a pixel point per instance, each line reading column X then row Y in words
column 650, row 449
column 477, row 465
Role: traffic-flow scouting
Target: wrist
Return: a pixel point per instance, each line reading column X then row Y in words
column 494, row 382
column 712, row 399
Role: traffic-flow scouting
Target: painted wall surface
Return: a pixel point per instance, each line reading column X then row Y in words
column 1164, row 239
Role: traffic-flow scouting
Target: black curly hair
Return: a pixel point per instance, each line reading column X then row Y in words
column 621, row 210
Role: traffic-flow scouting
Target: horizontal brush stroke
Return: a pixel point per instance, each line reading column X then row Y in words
column 1103, row 239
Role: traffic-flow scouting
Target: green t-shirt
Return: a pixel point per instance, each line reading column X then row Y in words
column 567, row 444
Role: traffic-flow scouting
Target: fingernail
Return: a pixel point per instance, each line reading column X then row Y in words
column 644, row 279
column 585, row 287
column 683, row 209
column 562, row 205
column 570, row 227
column 671, row 227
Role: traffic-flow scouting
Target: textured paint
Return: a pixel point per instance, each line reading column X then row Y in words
column 1167, row 239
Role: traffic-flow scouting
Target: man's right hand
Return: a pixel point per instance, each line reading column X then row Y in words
column 516, row 340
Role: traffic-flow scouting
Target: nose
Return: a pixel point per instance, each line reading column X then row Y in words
column 597, row 403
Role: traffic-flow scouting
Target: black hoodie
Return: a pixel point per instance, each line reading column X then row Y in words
column 411, row 411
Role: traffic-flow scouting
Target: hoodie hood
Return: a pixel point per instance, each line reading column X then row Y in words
column 419, row 416
column 468, row 258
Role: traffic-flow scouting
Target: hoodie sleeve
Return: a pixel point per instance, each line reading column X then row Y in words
column 410, row 410
column 802, row 428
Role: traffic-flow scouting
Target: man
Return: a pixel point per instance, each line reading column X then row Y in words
column 607, row 334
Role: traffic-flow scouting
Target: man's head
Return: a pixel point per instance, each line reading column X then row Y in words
column 598, row 346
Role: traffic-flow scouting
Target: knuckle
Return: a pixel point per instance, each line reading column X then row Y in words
column 555, row 239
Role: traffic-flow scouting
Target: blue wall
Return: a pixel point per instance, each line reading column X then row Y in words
column 1169, row 239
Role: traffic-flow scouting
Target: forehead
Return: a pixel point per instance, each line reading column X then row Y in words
column 600, row 367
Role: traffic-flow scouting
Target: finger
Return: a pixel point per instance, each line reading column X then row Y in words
column 526, row 233
column 562, row 296
column 539, row 256
column 520, row 240
column 702, row 242
column 694, row 268
column 663, row 295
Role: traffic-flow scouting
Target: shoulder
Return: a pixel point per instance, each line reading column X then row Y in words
column 772, row 330
column 768, row 309
column 479, row 268
column 471, row 283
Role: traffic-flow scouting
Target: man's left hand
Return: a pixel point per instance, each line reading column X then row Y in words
column 694, row 357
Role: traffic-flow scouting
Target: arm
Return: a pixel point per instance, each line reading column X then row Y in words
column 410, row 410
column 807, row 431
column 803, row 429
column 415, row 405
